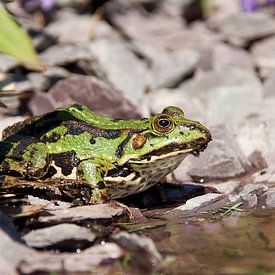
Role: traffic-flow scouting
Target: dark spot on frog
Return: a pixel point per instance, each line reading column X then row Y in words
column 92, row 141
column 49, row 121
column 118, row 173
column 137, row 175
column 109, row 134
column 101, row 185
column 4, row 168
column 66, row 161
column 76, row 127
column 116, row 119
column 5, row 147
column 51, row 172
column 121, row 147
column 19, row 150
column 53, row 138
column 79, row 127
column 78, row 106
column 2, row 179
column 36, row 173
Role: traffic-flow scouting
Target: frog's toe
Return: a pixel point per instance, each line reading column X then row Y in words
column 37, row 157
column 28, row 158
column 98, row 196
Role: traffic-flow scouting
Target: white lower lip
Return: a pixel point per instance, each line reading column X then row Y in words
column 171, row 154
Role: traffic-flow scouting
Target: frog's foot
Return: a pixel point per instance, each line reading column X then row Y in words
column 28, row 158
column 98, row 196
column 92, row 171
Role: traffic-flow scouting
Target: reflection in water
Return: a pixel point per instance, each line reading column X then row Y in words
column 242, row 243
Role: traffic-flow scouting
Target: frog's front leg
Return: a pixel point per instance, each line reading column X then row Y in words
column 27, row 158
column 92, row 171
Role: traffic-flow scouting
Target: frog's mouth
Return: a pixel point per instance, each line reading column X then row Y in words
column 174, row 149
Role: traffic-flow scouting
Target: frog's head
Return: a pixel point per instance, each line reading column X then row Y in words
column 167, row 134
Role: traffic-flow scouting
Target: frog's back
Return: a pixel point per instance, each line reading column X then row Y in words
column 38, row 125
column 75, row 115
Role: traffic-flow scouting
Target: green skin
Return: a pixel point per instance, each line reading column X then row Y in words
column 115, row 157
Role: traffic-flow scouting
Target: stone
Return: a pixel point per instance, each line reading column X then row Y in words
column 174, row 7
column 49, row 205
column 252, row 137
column 42, row 103
column 13, row 251
column 268, row 86
column 207, row 203
column 7, row 63
column 89, row 27
column 270, row 197
column 66, row 20
column 85, row 261
column 137, row 24
column 12, row 87
column 222, row 9
column 225, row 95
column 251, row 195
column 114, row 62
column 242, row 28
column 198, row 201
column 255, row 136
column 81, row 214
column 223, row 159
column 43, row 81
column 143, row 247
column 64, row 54
column 225, row 57
column 168, row 69
column 97, row 95
column 155, row 101
column 225, row 187
column 7, row 226
column 263, row 56
column 257, row 160
column 3, row 105
column 62, row 236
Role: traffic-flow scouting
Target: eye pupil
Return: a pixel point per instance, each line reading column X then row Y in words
column 164, row 122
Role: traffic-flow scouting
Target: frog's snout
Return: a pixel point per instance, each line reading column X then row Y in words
column 207, row 135
column 202, row 142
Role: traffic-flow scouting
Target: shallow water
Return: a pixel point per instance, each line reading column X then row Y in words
column 238, row 243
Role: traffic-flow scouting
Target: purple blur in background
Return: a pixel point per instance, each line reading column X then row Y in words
column 43, row 5
column 254, row 5
column 249, row 5
column 47, row 5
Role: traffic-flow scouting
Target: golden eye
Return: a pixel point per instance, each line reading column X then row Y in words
column 163, row 124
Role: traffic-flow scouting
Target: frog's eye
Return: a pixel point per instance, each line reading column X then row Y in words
column 163, row 124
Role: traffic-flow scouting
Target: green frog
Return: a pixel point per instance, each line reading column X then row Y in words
column 114, row 158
